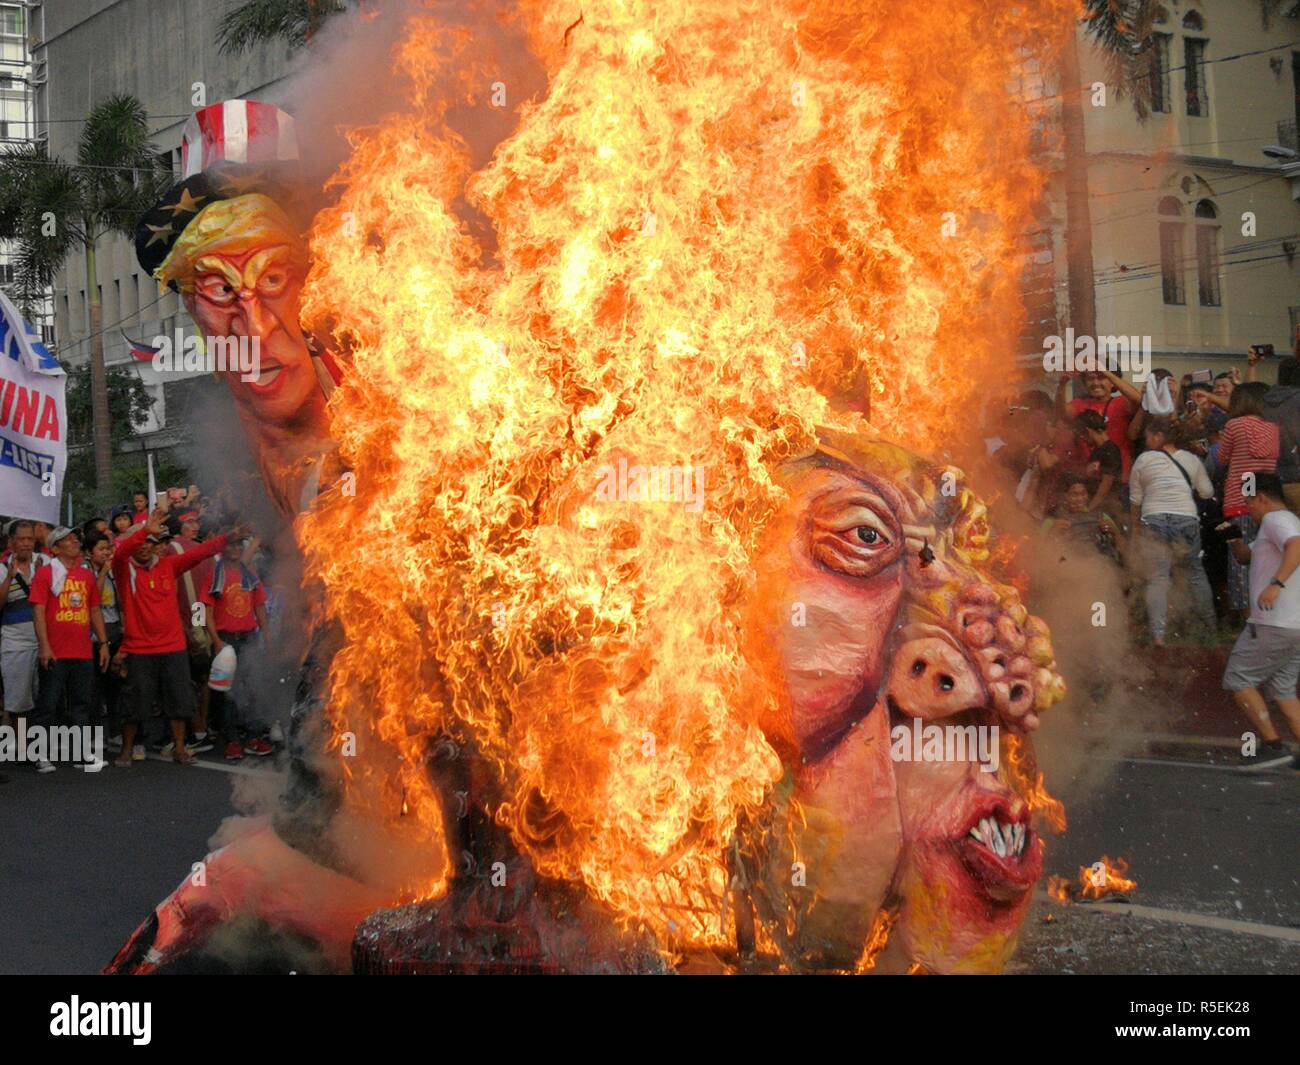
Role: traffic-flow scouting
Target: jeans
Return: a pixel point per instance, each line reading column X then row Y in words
column 1171, row 543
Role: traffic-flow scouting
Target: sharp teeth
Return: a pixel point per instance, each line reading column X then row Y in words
column 999, row 845
column 976, row 833
column 986, row 833
column 1020, row 838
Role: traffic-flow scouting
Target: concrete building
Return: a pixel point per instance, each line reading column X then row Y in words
column 1196, row 210
column 16, row 126
column 166, row 55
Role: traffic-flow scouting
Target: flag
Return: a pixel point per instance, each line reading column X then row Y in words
column 139, row 349
column 33, row 421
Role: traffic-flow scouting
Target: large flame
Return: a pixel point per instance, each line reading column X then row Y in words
column 723, row 224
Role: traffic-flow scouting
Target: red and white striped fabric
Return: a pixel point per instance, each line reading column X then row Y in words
column 1249, row 444
column 237, row 131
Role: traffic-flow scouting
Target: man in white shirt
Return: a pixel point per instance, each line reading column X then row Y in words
column 1268, row 649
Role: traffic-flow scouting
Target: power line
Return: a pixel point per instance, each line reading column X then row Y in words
column 1112, row 275
column 1261, row 261
column 1169, row 70
column 104, row 329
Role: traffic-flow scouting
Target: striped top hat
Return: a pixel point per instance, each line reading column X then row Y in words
column 237, row 131
column 227, row 149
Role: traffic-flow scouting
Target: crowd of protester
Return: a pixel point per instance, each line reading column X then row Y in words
column 1188, row 486
column 118, row 623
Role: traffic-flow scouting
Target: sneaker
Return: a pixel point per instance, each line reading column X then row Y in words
column 138, row 754
column 44, row 767
column 1267, row 754
column 192, row 745
column 234, row 752
column 259, row 747
column 200, row 742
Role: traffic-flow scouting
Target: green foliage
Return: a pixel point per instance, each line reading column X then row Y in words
column 294, row 21
column 128, row 404
column 50, row 207
column 130, row 474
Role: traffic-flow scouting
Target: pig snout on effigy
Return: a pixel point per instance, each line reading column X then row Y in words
column 1005, row 663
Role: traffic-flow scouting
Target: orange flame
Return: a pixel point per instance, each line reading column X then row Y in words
column 877, row 940
column 722, row 223
column 1106, row 876
column 1027, row 779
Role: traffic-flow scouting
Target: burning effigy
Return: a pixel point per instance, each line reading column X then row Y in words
column 656, row 566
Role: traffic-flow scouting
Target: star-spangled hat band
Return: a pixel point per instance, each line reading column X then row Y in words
column 228, row 149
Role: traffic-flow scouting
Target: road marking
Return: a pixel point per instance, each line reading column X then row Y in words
column 1274, row 770
column 1188, row 765
column 1174, row 737
column 220, row 767
column 1200, row 920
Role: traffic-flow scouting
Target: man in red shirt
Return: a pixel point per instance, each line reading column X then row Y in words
column 158, row 666
column 1118, row 411
column 65, row 605
column 236, row 612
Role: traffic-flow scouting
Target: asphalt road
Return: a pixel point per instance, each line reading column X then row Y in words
column 85, row 857
column 1203, row 844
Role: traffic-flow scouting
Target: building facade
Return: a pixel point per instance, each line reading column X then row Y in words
column 1195, row 210
column 16, row 128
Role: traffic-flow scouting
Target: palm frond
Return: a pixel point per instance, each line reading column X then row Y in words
column 294, row 21
column 1122, row 31
column 41, row 212
column 1271, row 9
column 119, row 168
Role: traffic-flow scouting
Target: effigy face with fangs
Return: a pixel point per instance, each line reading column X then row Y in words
column 874, row 611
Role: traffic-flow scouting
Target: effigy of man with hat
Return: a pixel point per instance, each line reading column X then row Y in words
column 225, row 239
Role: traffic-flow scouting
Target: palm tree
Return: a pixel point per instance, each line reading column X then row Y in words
column 49, row 207
column 295, row 21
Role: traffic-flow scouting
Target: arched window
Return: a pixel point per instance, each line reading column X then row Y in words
column 1197, row 91
column 1207, row 254
column 1170, row 211
column 1158, row 67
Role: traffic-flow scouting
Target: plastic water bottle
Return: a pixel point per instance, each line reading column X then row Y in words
column 222, row 674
